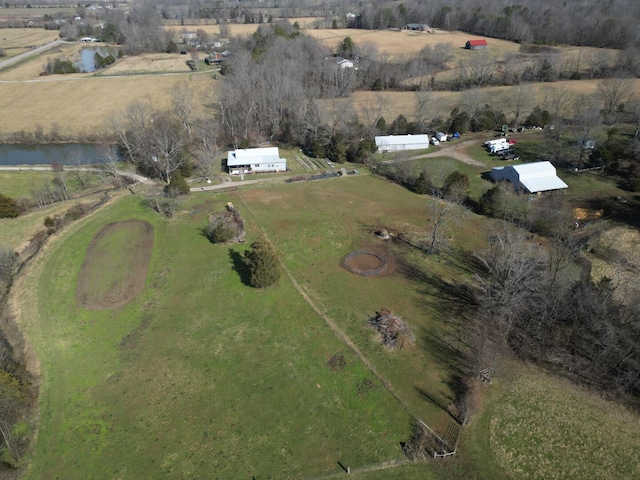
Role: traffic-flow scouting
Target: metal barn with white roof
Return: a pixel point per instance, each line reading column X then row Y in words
column 256, row 160
column 396, row 143
column 532, row 177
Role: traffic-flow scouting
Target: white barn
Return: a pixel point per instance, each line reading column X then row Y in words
column 396, row 143
column 531, row 177
column 255, row 160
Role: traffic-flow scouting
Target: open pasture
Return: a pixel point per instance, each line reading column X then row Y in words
column 200, row 373
column 406, row 43
column 84, row 105
column 150, row 63
column 14, row 41
column 546, row 427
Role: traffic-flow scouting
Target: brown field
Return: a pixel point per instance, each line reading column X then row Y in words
column 31, row 68
column 150, row 63
column 396, row 103
column 407, row 43
column 236, row 29
column 82, row 106
column 18, row 40
column 115, row 265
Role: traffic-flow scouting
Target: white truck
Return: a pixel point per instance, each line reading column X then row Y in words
column 442, row 137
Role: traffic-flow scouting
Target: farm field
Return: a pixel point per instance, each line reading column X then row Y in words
column 149, row 63
column 251, row 367
column 401, row 43
column 545, row 427
column 14, row 41
column 235, row 29
column 31, row 68
column 200, row 373
column 83, row 105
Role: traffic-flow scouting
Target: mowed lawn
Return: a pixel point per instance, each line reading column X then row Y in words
column 201, row 376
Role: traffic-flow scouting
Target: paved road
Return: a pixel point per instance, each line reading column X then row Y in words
column 34, row 51
column 39, row 168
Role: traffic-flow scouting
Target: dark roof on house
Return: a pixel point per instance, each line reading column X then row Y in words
column 477, row 43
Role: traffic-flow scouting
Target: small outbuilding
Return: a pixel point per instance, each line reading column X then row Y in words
column 343, row 62
column 396, row 143
column 255, row 160
column 535, row 177
column 480, row 44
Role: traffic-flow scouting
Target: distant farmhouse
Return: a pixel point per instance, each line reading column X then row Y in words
column 396, row 143
column 535, row 177
column 343, row 62
column 418, row 27
column 255, row 160
column 476, row 44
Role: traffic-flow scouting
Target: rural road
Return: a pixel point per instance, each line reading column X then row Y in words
column 241, row 183
column 34, row 51
column 135, row 176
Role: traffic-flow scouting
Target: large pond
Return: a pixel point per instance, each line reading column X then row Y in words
column 87, row 62
column 46, row 154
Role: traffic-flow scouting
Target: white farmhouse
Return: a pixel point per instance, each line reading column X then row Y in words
column 255, row 160
column 396, row 143
column 531, row 177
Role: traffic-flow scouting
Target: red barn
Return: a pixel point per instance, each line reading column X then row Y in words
column 476, row 44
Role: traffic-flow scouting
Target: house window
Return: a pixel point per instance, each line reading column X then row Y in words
column 256, row 165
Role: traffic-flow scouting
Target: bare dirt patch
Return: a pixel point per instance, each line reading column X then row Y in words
column 368, row 263
column 115, row 265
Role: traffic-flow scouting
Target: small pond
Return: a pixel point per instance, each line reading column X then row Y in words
column 46, row 154
column 87, row 62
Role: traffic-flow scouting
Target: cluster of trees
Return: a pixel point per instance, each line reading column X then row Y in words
column 610, row 25
column 530, row 299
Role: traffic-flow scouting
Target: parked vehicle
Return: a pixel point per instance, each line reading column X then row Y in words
column 441, row 137
column 434, row 141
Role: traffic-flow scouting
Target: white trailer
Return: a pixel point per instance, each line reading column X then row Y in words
column 499, row 147
column 442, row 137
column 495, row 141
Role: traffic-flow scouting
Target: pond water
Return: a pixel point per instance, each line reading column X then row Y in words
column 87, row 61
column 46, row 154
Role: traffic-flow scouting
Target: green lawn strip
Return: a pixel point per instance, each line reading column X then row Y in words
column 22, row 183
column 199, row 374
column 546, row 427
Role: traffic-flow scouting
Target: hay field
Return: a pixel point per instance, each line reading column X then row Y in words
column 83, row 105
column 236, row 29
column 18, row 40
column 441, row 103
column 407, row 43
column 149, row 63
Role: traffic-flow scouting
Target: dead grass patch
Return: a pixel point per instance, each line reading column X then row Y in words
column 115, row 265
column 150, row 63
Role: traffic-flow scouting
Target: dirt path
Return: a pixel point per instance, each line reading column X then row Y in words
column 457, row 150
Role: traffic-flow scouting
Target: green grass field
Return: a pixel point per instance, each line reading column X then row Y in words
column 549, row 428
column 203, row 374
column 199, row 374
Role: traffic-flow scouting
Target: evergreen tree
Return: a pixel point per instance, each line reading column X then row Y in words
column 8, row 207
column 262, row 262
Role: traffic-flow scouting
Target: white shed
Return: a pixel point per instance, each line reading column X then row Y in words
column 531, row 177
column 396, row 143
column 255, row 160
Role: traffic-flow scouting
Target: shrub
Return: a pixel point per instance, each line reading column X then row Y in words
column 219, row 233
column 8, row 207
column 262, row 262
column 178, row 186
